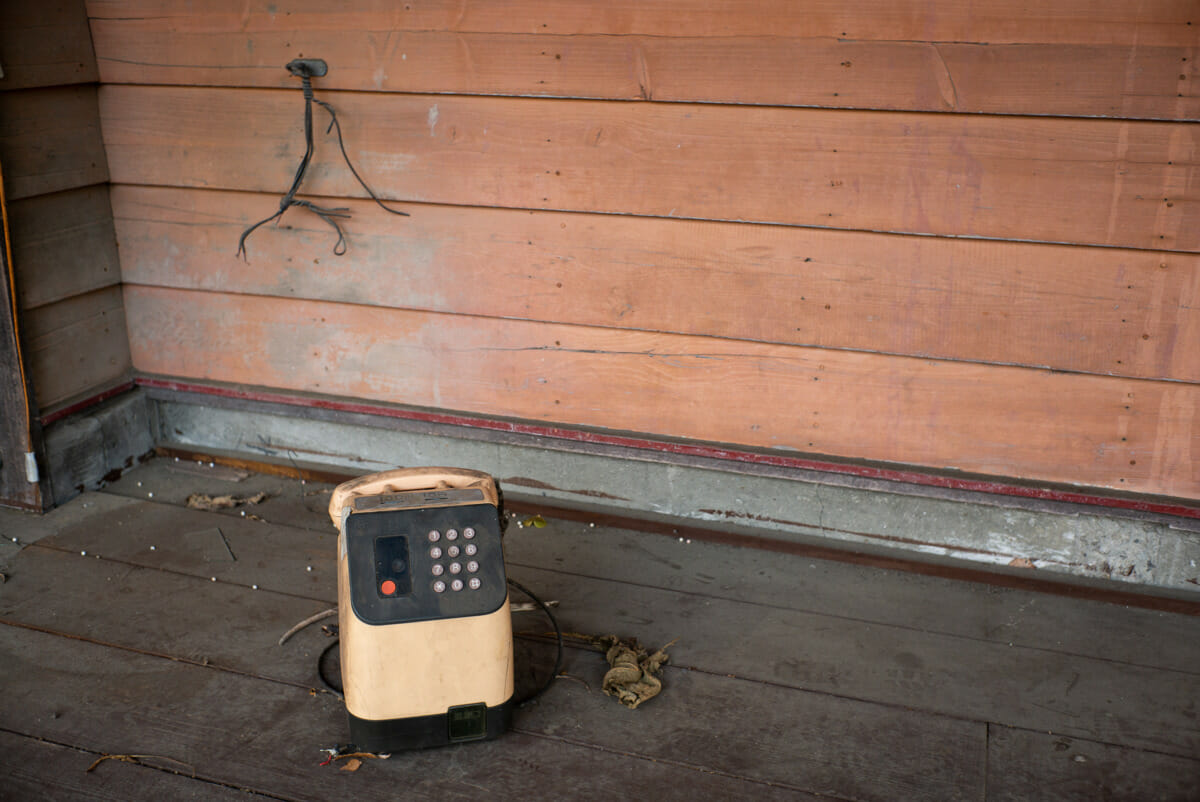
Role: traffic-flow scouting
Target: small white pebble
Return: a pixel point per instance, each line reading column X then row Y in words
column 14, row 540
column 254, row 587
column 308, row 568
column 150, row 495
column 689, row 540
column 214, row 579
column 302, row 481
column 243, row 513
column 212, row 464
column 520, row 525
column 591, row 524
column 139, row 484
column 83, row 554
column 680, row 540
column 152, row 548
column 177, row 459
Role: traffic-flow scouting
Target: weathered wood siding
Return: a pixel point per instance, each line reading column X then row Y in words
column 55, row 171
column 913, row 232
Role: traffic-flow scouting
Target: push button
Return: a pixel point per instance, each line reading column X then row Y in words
column 387, row 587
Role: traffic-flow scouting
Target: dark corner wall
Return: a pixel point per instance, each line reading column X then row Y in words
column 64, row 250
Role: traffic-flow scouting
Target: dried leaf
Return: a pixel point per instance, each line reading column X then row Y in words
column 536, row 521
column 352, row 764
column 633, row 678
column 203, row 501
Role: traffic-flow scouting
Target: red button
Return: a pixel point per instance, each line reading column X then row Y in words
column 388, row 587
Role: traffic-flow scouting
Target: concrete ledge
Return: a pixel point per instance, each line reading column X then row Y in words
column 80, row 451
column 1157, row 553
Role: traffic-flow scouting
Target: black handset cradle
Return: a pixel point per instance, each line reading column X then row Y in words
column 308, row 67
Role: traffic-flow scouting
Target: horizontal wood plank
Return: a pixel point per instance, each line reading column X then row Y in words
column 1004, row 21
column 1095, row 310
column 1124, row 434
column 930, row 604
column 1087, row 181
column 31, row 768
column 46, row 44
column 900, row 666
column 50, row 140
column 1130, row 81
column 907, row 752
column 63, row 245
column 77, row 347
column 1028, row 766
column 107, row 699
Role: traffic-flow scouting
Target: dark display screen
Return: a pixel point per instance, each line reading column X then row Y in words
column 393, row 576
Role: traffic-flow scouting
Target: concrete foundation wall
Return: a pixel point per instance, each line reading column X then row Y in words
column 1068, row 541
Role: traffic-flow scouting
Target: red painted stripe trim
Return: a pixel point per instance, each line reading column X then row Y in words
column 685, row 449
column 79, row 406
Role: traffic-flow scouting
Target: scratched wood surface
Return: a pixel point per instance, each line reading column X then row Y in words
column 1121, row 433
column 793, row 647
column 1120, row 312
column 33, row 768
column 64, row 244
column 188, row 669
column 77, row 346
column 1104, row 182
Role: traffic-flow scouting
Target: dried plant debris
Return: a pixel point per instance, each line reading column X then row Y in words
column 137, row 760
column 633, row 678
column 202, row 501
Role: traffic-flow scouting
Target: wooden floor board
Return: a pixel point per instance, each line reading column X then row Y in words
column 188, row 618
column 790, row 677
column 266, row 736
column 46, row 771
column 951, row 676
column 181, row 624
column 931, row 604
column 1026, row 766
column 896, row 665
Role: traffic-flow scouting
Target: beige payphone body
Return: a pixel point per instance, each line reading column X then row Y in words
column 425, row 628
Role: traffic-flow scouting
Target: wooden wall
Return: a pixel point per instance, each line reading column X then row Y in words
column 55, row 171
column 955, row 236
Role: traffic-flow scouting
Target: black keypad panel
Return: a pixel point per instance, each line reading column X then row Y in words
column 423, row 564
